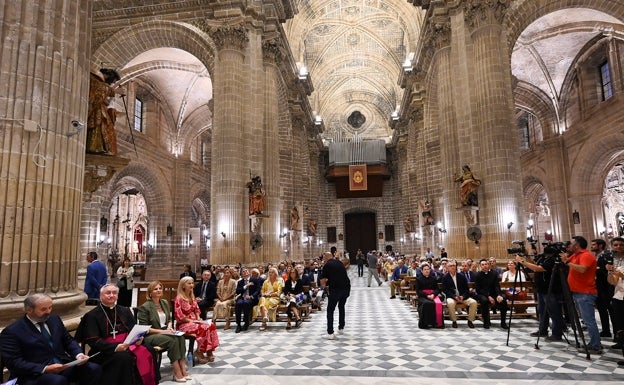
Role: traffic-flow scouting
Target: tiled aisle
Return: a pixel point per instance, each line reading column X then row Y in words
column 383, row 345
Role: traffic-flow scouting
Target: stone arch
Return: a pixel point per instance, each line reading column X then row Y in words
column 152, row 184
column 523, row 13
column 534, row 100
column 593, row 160
column 124, row 45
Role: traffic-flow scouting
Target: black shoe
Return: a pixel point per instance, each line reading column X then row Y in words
column 590, row 350
column 486, row 325
column 393, row 297
column 245, row 327
column 238, row 329
column 504, row 325
column 538, row 334
column 553, row 338
column 605, row 333
column 617, row 346
column 470, row 325
column 454, row 324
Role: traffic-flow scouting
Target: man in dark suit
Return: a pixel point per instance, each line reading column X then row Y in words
column 188, row 272
column 455, row 288
column 36, row 347
column 489, row 294
column 247, row 296
column 96, row 277
column 205, row 293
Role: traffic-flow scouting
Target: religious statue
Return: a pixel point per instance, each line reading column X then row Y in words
column 425, row 208
column 312, row 227
column 294, row 218
column 408, row 224
column 101, row 136
column 468, row 187
column 256, row 195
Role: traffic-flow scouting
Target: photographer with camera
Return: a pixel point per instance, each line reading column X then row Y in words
column 616, row 278
column 549, row 295
column 605, row 290
column 582, row 282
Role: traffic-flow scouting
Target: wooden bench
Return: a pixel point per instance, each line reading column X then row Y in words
column 520, row 306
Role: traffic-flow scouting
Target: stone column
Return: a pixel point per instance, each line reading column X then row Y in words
column 44, row 72
column 230, row 168
column 494, row 136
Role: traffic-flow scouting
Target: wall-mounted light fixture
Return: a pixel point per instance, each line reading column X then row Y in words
column 509, row 225
column 440, row 227
column 284, row 233
column 530, row 224
column 223, row 234
column 190, row 240
column 169, row 230
column 104, row 241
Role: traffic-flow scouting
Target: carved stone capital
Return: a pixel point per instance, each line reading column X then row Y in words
column 229, row 36
column 272, row 51
column 479, row 13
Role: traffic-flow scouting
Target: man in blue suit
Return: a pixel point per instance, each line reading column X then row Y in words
column 36, row 347
column 96, row 276
column 248, row 295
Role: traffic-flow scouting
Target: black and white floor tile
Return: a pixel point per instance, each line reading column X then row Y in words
column 383, row 345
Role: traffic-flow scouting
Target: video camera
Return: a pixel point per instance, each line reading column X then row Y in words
column 555, row 248
column 518, row 248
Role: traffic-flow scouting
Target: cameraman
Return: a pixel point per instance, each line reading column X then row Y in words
column 549, row 296
column 582, row 282
column 605, row 290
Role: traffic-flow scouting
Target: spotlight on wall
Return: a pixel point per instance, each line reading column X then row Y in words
column 509, row 225
column 223, row 234
column 284, row 233
column 530, row 224
column 440, row 227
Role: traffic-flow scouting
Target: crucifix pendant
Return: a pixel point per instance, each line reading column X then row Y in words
column 114, row 333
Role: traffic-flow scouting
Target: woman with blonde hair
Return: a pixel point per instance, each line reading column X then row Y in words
column 188, row 321
column 270, row 295
column 155, row 312
column 226, row 290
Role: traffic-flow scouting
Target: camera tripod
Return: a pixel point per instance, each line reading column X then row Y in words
column 570, row 306
column 519, row 269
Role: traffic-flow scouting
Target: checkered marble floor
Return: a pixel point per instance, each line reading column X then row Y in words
column 382, row 344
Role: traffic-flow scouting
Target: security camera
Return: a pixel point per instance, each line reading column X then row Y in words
column 77, row 124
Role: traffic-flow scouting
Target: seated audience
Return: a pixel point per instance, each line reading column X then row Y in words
column 510, row 274
column 455, row 288
column 205, row 293
column 226, row 290
column 294, row 296
column 156, row 313
column 395, row 281
column 188, row 272
column 104, row 329
column 33, row 360
column 429, row 304
column 247, row 296
column 489, row 294
column 188, row 320
column 269, row 296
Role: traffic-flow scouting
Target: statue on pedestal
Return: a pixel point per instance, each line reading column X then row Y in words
column 101, row 136
column 256, row 195
column 468, row 187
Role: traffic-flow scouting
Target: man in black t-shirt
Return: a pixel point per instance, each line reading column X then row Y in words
column 334, row 275
column 549, row 296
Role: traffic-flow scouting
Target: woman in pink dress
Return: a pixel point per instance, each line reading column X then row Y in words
column 188, row 321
